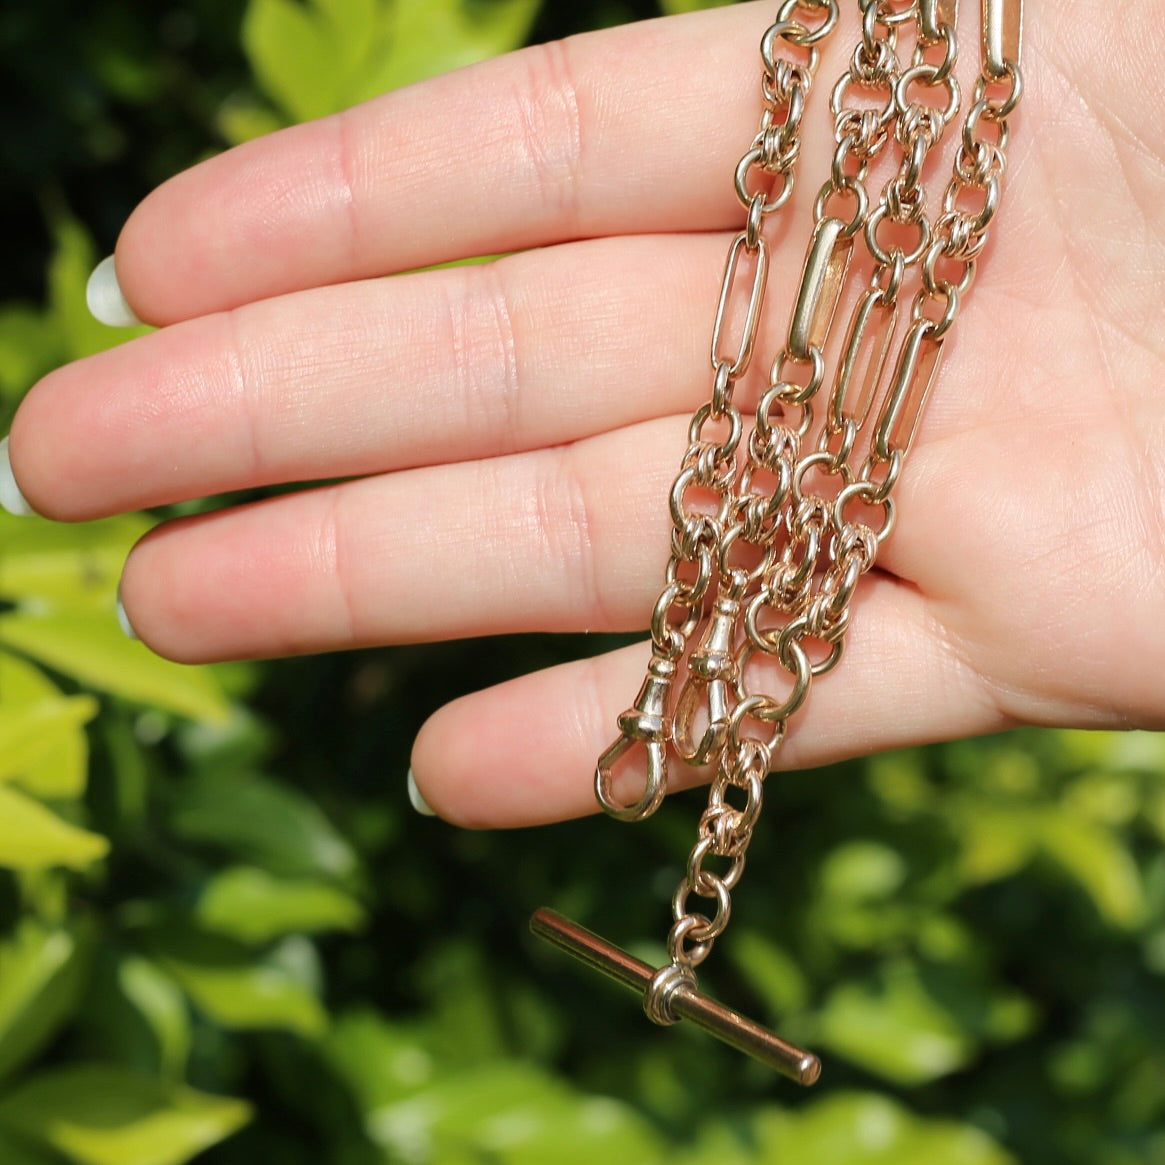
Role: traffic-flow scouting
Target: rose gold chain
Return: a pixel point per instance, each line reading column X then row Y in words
column 771, row 535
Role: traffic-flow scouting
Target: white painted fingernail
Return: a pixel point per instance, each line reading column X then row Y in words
column 123, row 620
column 418, row 802
column 106, row 302
column 11, row 499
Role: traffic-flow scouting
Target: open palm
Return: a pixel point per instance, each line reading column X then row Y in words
column 512, row 428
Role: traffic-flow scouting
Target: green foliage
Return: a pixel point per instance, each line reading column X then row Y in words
column 223, row 933
column 676, row 7
column 100, row 1116
column 851, row 1129
column 33, row 341
column 326, row 55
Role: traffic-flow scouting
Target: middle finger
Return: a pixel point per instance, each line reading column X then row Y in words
column 536, row 349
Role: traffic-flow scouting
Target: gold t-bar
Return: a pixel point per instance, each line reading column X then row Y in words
column 726, row 1025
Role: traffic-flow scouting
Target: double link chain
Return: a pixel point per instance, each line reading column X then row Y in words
column 710, row 466
column 771, row 535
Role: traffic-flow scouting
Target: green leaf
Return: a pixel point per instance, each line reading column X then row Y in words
column 771, row 972
column 892, row 1026
column 514, row 1115
column 136, row 1015
column 32, row 837
column 241, row 120
column 19, row 1153
column 74, row 258
column 996, row 840
column 99, row 1115
column 429, row 37
column 285, row 43
column 678, row 7
column 91, row 648
column 860, row 871
column 1100, row 863
column 237, row 989
column 380, row 1062
column 856, row 1129
column 254, row 906
column 264, row 822
column 318, row 58
column 42, row 973
column 154, row 996
column 43, row 746
column 29, row 347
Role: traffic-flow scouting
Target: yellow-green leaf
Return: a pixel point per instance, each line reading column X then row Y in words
column 33, row 837
column 428, row 37
column 238, row 989
column 48, row 566
column 326, row 55
column 74, row 258
column 90, row 647
column 286, row 43
column 513, row 1113
column 381, row 1062
column 996, row 840
column 254, row 906
column 771, row 972
column 863, row 1129
column 28, row 349
column 100, row 1115
column 678, row 7
column 43, row 746
column 1101, row 865
column 893, row 1027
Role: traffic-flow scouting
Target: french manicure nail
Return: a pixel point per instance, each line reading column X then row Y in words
column 11, row 499
column 418, row 802
column 123, row 620
column 103, row 295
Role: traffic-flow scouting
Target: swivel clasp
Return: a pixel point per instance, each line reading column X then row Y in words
column 648, row 723
column 711, row 669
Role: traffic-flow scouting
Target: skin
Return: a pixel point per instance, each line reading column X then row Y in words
column 512, row 429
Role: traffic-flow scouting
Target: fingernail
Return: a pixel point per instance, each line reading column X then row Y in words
column 123, row 619
column 11, row 499
column 106, row 302
column 418, row 802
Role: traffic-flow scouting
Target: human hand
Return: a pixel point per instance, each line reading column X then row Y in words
column 513, row 428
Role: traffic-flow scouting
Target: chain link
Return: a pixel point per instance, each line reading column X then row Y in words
column 703, row 498
column 772, row 534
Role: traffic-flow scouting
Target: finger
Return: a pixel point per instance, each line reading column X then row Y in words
column 568, row 538
column 622, row 131
column 524, row 752
column 538, row 349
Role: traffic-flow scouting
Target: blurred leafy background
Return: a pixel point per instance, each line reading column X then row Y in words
column 224, row 934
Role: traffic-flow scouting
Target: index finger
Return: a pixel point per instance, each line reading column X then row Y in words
column 565, row 140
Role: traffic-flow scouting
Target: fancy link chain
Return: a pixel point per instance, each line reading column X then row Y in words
column 771, row 535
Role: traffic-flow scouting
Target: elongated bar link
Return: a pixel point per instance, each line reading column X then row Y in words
column 1002, row 34
column 936, row 15
column 822, row 279
column 863, row 360
column 688, row 1003
column 913, row 379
